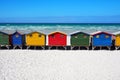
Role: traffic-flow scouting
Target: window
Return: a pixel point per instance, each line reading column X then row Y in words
column 30, row 35
column 85, row 36
column 40, row 35
column 106, row 36
column 76, row 36
column 61, row 35
column 53, row 36
column 97, row 36
column 17, row 35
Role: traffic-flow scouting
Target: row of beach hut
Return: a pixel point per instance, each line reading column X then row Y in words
column 60, row 39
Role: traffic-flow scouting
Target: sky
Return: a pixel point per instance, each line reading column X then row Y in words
column 60, row 11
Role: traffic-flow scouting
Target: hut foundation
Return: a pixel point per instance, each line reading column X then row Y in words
column 93, row 48
column 28, row 47
column 100, row 47
column 60, row 47
column 72, row 47
column 64, row 47
column 48, row 47
column 108, row 48
column 34, row 47
column 17, row 46
column 117, row 48
column 7, row 46
column 80, row 47
column 43, row 47
column 87, row 48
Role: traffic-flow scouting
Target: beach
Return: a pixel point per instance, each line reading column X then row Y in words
column 59, row 65
column 60, row 40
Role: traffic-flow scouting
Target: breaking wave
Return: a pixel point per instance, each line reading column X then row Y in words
column 68, row 28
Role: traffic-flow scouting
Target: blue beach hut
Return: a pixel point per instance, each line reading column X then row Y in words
column 17, row 39
column 102, row 39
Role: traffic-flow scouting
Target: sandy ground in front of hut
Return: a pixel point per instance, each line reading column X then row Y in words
column 59, row 65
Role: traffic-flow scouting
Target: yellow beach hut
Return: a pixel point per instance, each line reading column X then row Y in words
column 35, row 39
column 117, row 39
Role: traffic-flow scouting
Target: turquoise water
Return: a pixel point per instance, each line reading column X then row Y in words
column 65, row 27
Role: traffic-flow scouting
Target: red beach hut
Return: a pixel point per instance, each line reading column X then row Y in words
column 57, row 39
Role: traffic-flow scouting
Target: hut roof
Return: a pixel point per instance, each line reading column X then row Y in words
column 22, row 32
column 8, row 32
column 11, row 32
column 57, row 32
column 17, row 33
column 4, row 32
column 78, row 32
column 100, row 32
column 35, row 32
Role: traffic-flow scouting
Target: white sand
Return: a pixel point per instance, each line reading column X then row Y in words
column 59, row 65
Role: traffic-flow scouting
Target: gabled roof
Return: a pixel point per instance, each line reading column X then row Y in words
column 16, row 33
column 11, row 32
column 36, row 32
column 8, row 31
column 79, row 32
column 57, row 32
column 100, row 32
column 4, row 33
column 22, row 32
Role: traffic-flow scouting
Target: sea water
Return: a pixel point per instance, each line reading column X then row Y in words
column 64, row 27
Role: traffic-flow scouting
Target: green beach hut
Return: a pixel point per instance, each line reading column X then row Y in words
column 80, row 39
column 4, row 39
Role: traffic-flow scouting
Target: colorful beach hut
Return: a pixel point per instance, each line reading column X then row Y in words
column 17, row 39
column 35, row 39
column 101, row 39
column 4, row 39
column 57, row 39
column 80, row 39
column 117, row 39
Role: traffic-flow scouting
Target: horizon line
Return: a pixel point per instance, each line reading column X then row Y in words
column 57, row 23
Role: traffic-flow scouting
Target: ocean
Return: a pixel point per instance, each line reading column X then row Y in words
column 64, row 27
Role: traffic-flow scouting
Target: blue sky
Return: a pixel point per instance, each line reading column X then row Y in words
column 68, row 11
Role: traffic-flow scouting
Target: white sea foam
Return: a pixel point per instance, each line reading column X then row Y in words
column 65, row 28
